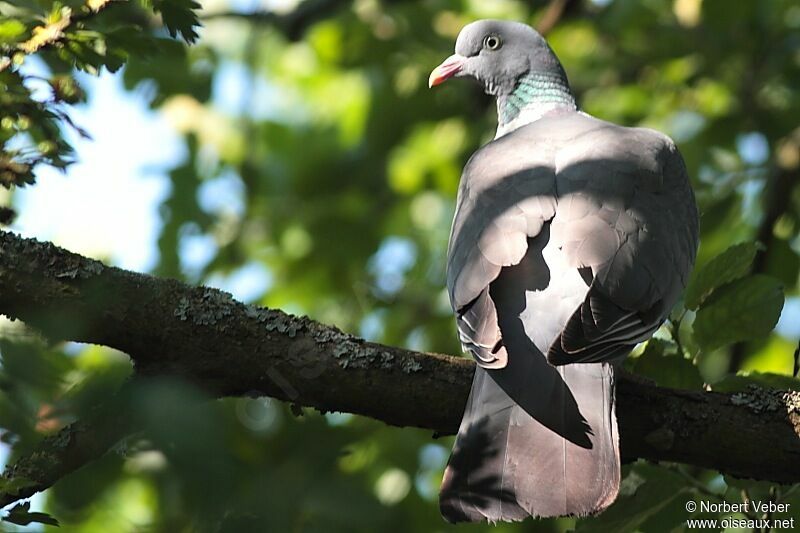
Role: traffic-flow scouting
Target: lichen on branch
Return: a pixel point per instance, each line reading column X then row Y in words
column 227, row 348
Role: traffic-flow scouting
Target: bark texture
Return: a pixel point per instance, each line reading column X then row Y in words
column 228, row 348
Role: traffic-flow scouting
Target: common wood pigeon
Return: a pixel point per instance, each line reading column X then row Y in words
column 572, row 240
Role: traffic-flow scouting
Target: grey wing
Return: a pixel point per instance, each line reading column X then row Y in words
column 498, row 208
column 627, row 212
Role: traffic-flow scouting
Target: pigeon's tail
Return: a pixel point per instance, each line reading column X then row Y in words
column 534, row 441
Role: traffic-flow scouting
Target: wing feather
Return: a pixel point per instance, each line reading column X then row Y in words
column 498, row 208
column 621, row 192
column 619, row 206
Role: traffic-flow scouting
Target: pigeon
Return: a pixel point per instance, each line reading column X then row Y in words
column 572, row 240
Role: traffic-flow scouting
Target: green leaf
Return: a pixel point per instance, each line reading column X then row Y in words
column 745, row 309
column 20, row 514
column 67, row 89
column 672, row 517
column 173, row 72
column 131, row 41
column 756, row 490
column 10, row 30
column 731, row 264
column 782, row 261
column 662, row 363
column 742, row 380
column 179, row 17
column 653, row 489
column 89, row 50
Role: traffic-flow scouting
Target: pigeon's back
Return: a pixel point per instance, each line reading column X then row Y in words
column 571, row 241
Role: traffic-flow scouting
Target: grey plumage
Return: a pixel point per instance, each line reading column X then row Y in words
column 572, row 240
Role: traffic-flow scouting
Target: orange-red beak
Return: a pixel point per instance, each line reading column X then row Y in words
column 449, row 68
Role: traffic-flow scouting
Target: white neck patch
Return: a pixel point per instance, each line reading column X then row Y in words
column 531, row 114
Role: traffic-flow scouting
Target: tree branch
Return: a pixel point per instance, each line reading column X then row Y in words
column 52, row 34
column 292, row 24
column 552, row 14
column 230, row 349
column 777, row 201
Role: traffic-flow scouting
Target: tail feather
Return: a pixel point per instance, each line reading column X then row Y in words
column 547, row 449
column 535, row 439
column 473, row 487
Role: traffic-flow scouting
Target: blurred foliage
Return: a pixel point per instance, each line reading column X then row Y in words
column 71, row 34
column 318, row 159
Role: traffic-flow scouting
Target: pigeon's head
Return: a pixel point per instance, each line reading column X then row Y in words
column 497, row 53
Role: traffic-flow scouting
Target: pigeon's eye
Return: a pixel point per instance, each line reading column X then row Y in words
column 491, row 42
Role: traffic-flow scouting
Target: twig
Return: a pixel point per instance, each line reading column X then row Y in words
column 292, row 24
column 777, row 198
column 696, row 483
column 551, row 16
column 56, row 37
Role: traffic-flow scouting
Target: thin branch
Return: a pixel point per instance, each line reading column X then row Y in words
column 777, row 201
column 227, row 348
column 71, row 448
column 292, row 24
column 53, row 34
column 551, row 16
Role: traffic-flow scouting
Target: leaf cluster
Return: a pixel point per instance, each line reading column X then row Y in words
column 68, row 36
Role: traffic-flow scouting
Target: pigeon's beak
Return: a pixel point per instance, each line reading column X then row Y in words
column 449, row 68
